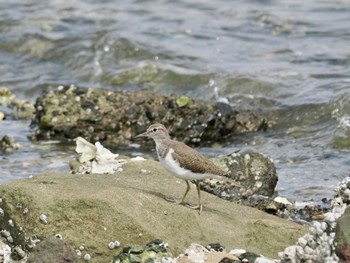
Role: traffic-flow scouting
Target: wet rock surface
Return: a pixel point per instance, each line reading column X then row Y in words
column 343, row 236
column 91, row 210
column 116, row 116
column 342, row 229
column 12, row 107
column 53, row 250
column 253, row 174
column 8, row 144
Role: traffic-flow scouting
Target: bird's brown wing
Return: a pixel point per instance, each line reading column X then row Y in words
column 197, row 162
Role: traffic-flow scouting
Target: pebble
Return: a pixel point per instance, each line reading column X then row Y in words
column 318, row 244
column 282, row 200
column 264, row 260
column 166, row 259
column 237, row 252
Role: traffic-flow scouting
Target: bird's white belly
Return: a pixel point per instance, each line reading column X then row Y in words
column 173, row 167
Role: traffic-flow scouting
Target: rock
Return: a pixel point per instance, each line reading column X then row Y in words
column 196, row 253
column 264, row 260
column 13, row 107
column 255, row 171
column 343, row 236
column 116, row 116
column 53, row 250
column 154, row 251
column 227, row 260
column 8, row 144
column 215, row 247
column 199, row 254
column 254, row 180
column 5, row 252
column 319, row 244
column 248, row 257
column 94, row 209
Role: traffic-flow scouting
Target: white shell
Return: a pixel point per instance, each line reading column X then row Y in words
column 2, row 213
column 11, row 223
column 59, row 236
column 111, row 245
column 43, row 218
column 87, row 257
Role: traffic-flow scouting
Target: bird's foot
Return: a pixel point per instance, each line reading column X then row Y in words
column 196, row 207
column 175, row 201
column 181, row 202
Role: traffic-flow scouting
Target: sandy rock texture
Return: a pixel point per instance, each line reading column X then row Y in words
column 93, row 210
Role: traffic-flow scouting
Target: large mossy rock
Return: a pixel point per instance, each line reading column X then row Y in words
column 343, row 236
column 93, row 210
column 116, row 116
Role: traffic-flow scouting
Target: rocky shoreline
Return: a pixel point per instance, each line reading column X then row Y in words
column 114, row 117
column 122, row 217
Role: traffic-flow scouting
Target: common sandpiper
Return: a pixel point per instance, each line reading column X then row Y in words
column 182, row 161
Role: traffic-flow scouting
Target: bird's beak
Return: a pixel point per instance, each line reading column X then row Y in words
column 142, row 135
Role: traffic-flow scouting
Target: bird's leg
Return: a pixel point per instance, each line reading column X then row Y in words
column 199, row 206
column 182, row 201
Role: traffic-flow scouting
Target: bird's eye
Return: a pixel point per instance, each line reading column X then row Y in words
column 154, row 129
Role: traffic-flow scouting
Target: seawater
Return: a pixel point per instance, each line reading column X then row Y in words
column 290, row 59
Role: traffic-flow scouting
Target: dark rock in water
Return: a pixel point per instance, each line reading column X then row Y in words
column 8, row 144
column 12, row 107
column 151, row 252
column 253, row 174
column 117, row 116
column 343, row 237
column 53, row 250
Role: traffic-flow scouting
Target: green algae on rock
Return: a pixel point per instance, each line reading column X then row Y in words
column 116, row 116
column 153, row 251
column 343, row 236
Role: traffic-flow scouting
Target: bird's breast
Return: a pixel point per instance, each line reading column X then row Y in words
column 173, row 166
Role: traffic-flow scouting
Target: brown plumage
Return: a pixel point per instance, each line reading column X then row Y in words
column 181, row 160
column 197, row 163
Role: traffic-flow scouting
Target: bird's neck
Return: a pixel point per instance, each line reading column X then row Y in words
column 162, row 146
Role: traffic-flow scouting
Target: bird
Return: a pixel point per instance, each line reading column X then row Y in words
column 182, row 161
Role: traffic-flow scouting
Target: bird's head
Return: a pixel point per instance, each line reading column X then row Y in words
column 156, row 131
